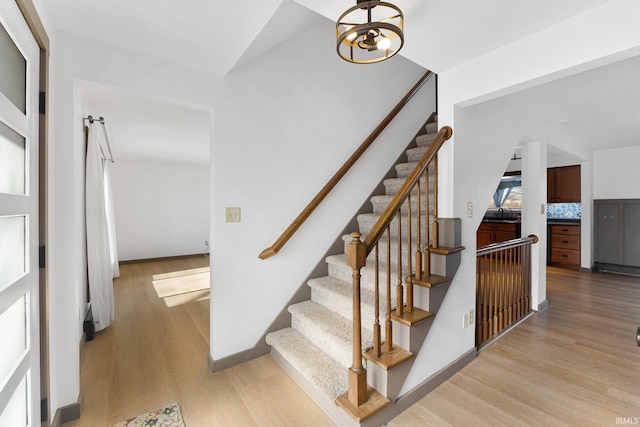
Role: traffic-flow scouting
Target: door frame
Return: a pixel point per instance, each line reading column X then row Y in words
column 39, row 33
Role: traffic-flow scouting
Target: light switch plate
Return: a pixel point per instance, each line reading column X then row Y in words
column 232, row 214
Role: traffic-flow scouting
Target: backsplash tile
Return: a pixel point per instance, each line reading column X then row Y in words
column 564, row 210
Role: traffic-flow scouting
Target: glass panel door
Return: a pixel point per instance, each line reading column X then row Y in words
column 19, row 325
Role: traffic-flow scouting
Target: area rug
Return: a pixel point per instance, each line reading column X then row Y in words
column 169, row 416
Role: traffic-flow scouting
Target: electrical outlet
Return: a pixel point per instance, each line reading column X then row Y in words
column 470, row 209
column 206, row 243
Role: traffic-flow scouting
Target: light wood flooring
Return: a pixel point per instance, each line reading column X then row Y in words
column 575, row 364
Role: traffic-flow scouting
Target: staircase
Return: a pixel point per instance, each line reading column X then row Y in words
column 317, row 350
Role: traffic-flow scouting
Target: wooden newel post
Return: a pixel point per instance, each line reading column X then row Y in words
column 356, row 259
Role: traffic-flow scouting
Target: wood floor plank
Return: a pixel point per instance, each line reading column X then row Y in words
column 575, row 364
column 155, row 353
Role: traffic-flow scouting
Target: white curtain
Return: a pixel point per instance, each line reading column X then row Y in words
column 111, row 220
column 100, row 256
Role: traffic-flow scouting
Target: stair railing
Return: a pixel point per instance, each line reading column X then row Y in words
column 503, row 286
column 379, row 239
column 324, row 192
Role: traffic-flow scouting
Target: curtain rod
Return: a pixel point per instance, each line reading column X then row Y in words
column 92, row 119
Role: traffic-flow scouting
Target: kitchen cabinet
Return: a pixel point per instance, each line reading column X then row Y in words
column 496, row 232
column 617, row 232
column 563, row 184
column 565, row 246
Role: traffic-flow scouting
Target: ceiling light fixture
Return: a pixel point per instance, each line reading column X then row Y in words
column 370, row 32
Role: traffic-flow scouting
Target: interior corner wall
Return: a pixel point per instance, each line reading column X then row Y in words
column 161, row 209
column 623, row 184
column 74, row 58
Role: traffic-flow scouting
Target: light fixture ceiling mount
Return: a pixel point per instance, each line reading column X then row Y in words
column 370, row 32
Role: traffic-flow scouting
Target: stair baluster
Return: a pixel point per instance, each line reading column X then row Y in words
column 399, row 289
column 425, row 253
column 503, row 286
column 434, row 234
column 377, row 344
column 409, row 305
column 388, row 329
column 418, row 253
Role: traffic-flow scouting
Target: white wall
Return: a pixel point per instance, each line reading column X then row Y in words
column 285, row 125
column 161, row 209
column 600, row 36
column 621, row 184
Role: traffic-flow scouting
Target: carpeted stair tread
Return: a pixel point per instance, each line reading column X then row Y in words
column 327, row 329
column 431, row 127
column 367, row 221
column 403, row 170
column 381, row 202
column 426, row 139
column 337, row 295
column 393, row 185
column 322, row 371
column 339, row 269
column 415, row 154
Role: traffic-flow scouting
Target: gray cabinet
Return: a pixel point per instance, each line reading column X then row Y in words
column 617, row 232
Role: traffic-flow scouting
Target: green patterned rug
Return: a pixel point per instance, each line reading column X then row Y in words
column 169, row 416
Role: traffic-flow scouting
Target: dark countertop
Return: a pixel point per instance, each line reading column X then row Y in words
column 562, row 221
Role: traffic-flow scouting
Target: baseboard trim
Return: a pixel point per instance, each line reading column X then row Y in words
column 67, row 413
column 229, row 361
column 618, row 269
column 543, row 306
column 166, row 258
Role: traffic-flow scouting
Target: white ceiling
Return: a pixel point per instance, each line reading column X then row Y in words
column 214, row 34
column 600, row 105
column 597, row 109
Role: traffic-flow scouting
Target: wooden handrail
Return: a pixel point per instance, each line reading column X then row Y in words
column 396, row 203
column 513, row 243
column 308, row 210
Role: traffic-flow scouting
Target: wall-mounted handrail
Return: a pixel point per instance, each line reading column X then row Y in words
column 308, row 210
